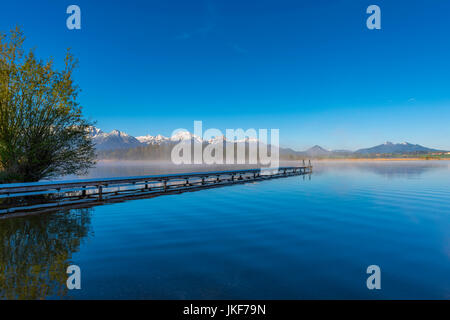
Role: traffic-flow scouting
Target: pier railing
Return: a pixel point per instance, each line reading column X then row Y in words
column 26, row 197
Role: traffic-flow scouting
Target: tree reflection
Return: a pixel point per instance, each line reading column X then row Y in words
column 35, row 252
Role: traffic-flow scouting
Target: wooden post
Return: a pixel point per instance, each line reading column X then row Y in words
column 165, row 185
column 203, row 180
column 100, row 192
column 83, row 193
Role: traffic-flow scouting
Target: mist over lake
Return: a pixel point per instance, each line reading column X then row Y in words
column 389, row 169
column 301, row 237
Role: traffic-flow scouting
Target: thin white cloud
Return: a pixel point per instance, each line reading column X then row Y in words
column 238, row 48
column 183, row 36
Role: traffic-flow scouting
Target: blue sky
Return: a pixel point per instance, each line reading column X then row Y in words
column 309, row 68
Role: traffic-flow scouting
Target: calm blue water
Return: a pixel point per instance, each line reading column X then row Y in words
column 289, row 238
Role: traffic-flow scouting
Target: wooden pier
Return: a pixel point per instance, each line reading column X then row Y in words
column 26, row 198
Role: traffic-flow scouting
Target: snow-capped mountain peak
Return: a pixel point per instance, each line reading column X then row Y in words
column 149, row 139
column 93, row 131
column 185, row 135
column 119, row 133
column 247, row 140
column 218, row 139
column 114, row 140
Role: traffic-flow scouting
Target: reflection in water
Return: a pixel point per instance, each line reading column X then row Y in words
column 271, row 240
column 388, row 169
column 36, row 251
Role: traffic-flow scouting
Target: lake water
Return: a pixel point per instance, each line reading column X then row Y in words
column 302, row 237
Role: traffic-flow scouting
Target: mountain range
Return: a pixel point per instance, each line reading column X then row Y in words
column 118, row 140
column 397, row 148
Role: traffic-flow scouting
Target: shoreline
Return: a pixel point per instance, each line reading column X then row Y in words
column 382, row 159
column 281, row 160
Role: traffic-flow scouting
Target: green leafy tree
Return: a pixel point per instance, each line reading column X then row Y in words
column 42, row 130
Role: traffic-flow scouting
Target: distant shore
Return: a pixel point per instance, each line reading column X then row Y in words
column 382, row 159
column 218, row 166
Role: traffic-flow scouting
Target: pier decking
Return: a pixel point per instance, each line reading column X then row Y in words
column 25, row 198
